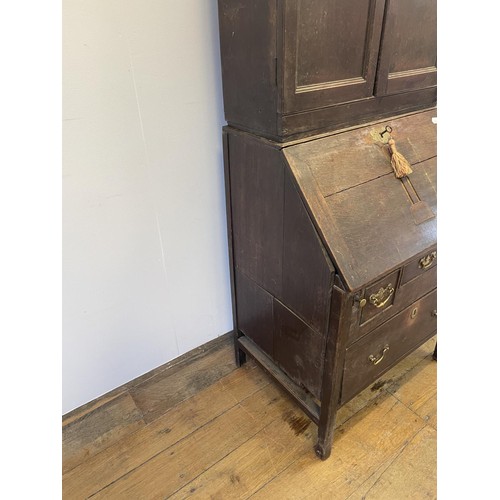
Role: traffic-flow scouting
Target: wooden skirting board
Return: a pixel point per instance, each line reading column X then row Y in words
column 143, row 399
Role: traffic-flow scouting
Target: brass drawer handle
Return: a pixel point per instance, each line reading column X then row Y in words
column 381, row 298
column 427, row 261
column 376, row 361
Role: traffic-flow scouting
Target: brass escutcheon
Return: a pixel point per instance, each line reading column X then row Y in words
column 413, row 313
column 381, row 298
column 427, row 261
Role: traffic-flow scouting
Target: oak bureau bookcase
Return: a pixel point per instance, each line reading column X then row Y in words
column 333, row 258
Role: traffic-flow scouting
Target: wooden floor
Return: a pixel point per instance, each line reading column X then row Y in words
column 201, row 428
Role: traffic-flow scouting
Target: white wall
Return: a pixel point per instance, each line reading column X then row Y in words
column 145, row 270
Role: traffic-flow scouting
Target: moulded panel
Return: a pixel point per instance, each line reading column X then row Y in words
column 330, row 51
column 408, row 52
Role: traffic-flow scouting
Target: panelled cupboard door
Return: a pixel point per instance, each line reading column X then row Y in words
column 408, row 48
column 331, row 49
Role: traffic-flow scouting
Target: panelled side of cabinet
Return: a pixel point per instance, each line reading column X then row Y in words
column 257, row 194
column 283, row 276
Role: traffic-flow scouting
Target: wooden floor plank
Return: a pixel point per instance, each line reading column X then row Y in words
column 106, row 467
column 418, row 391
column 257, row 461
column 172, row 469
column 98, row 428
column 410, row 474
column 157, row 394
column 238, row 435
column 361, row 445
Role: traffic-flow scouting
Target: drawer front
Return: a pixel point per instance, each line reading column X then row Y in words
column 405, row 295
column 382, row 348
column 419, row 266
column 379, row 297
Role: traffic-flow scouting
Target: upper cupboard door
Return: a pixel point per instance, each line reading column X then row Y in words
column 331, row 49
column 408, row 50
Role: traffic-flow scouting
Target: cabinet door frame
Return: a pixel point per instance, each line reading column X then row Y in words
column 401, row 81
column 306, row 97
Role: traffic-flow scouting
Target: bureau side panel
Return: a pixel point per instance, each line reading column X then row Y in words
column 284, row 276
column 248, row 56
column 307, row 270
column 256, row 173
column 298, row 350
column 255, row 312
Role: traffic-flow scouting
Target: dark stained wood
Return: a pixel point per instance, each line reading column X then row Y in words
column 370, row 310
column 405, row 295
column 304, row 124
column 319, row 226
column 248, row 55
column 332, row 374
column 255, row 312
column 350, row 214
column 330, row 51
column 291, row 68
column 307, row 270
column 239, row 355
column 408, row 49
column 422, row 264
column 377, row 223
column 298, row 349
column 256, row 176
column 306, row 402
column 344, row 160
column 424, row 181
column 403, row 333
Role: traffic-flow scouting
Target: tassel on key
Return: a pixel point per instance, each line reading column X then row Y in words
column 399, row 163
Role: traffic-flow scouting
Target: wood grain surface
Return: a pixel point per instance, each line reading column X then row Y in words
column 363, row 213
column 242, row 437
column 293, row 68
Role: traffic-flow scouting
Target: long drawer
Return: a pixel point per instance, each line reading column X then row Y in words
column 372, row 355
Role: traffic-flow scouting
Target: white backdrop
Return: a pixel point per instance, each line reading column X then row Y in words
column 145, row 271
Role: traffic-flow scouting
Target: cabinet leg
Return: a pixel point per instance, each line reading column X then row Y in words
column 435, row 353
column 327, row 419
column 240, row 356
column 332, row 373
column 323, row 448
